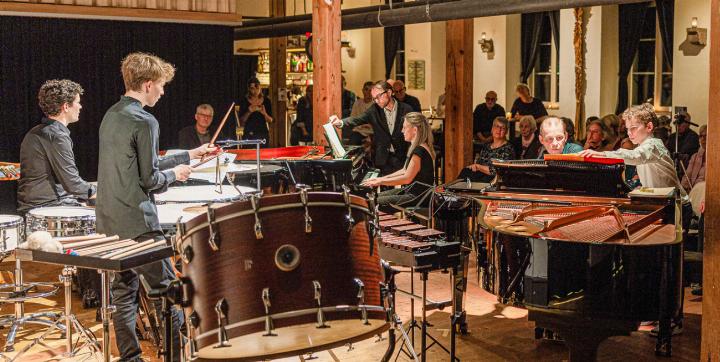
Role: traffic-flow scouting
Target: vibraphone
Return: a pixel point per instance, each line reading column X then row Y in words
column 106, row 254
column 405, row 243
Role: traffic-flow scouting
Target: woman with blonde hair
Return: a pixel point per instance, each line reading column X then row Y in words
column 419, row 170
column 526, row 104
column 499, row 149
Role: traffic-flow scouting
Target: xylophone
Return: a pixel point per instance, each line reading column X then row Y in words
column 405, row 243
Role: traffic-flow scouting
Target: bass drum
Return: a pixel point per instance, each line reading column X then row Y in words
column 282, row 276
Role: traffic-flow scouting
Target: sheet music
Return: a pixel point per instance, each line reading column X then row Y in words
column 206, row 171
column 335, row 143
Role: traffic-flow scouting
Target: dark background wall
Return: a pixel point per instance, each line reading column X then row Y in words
column 89, row 52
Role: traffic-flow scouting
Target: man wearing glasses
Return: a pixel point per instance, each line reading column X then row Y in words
column 200, row 133
column 386, row 118
column 483, row 117
column 400, row 92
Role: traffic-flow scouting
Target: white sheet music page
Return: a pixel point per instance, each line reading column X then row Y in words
column 335, row 143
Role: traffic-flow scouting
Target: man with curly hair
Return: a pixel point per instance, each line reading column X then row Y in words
column 49, row 175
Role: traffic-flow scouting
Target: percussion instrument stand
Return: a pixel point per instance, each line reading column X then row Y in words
column 18, row 296
column 389, row 291
column 423, row 328
column 70, row 322
column 106, row 311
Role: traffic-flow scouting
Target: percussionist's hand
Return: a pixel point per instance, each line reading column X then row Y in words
column 590, row 153
column 182, row 172
column 205, row 149
column 337, row 122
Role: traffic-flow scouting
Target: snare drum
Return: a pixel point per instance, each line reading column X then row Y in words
column 200, row 194
column 12, row 232
column 62, row 220
column 276, row 269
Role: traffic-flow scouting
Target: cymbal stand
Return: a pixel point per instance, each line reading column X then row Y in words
column 21, row 292
column 69, row 321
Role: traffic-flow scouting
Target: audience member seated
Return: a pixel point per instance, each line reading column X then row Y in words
column 302, row 128
column 612, row 124
column 688, row 141
column 399, row 91
column 597, row 137
column 569, row 128
column 696, row 167
column 527, row 145
column 484, row 115
column 481, row 170
column 200, row 133
column 419, row 170
column 554, row 138
column 527, row 105
column 360, row 133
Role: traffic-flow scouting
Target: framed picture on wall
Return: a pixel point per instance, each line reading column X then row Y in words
column 416, row 74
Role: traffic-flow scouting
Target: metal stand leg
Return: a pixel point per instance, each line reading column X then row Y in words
column 107, row 311
column 18, row 296
column 71, row 321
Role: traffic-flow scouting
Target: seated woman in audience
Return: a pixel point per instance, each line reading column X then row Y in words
column 527, row 145
column 696, row 168
column 481, row 170
column 597, row 137
column 612, row 124
column 419, row 170
column 527, row 105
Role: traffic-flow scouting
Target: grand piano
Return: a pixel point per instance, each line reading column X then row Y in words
column 284, row 167
column 565, row 238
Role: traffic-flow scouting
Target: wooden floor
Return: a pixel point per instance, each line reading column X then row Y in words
column 497, row 332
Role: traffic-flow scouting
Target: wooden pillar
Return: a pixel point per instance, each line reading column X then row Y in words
column 458, row 96
column 710, row 347
column 327, row 84
column 278, row 82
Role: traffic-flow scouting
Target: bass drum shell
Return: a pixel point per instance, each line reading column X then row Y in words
column 244, row 266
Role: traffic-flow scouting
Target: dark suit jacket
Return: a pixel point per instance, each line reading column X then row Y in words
column 384, row 137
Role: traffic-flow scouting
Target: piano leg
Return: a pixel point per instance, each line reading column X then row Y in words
column 582, row 336
column 663, row 346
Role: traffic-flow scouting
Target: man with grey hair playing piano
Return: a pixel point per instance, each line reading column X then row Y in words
column 554, row 138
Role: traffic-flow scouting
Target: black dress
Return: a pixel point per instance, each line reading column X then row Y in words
column 256, row 127
column 535, row 108
column 425, row 175
column 487, row 154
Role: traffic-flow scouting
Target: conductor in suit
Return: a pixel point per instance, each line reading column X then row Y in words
column 386, row 118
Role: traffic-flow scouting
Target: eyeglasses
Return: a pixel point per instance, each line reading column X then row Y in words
column 204, row 115
column 377, row 97
column 490, row 99
column 502, row 128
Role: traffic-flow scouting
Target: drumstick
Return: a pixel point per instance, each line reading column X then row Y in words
column 125, row 249
column 220, row 127
column 204, row 160
column 139, row 249
column 90, row 242
column 79, row 238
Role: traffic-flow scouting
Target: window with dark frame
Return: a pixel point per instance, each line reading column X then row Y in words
column 546, row 74
column 651, row 76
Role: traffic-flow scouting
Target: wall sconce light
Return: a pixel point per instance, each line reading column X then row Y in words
column 695, row 35
column 486, row 45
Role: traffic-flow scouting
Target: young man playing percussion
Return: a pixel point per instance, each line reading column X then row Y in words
column 129, row 173
column 49, row 176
